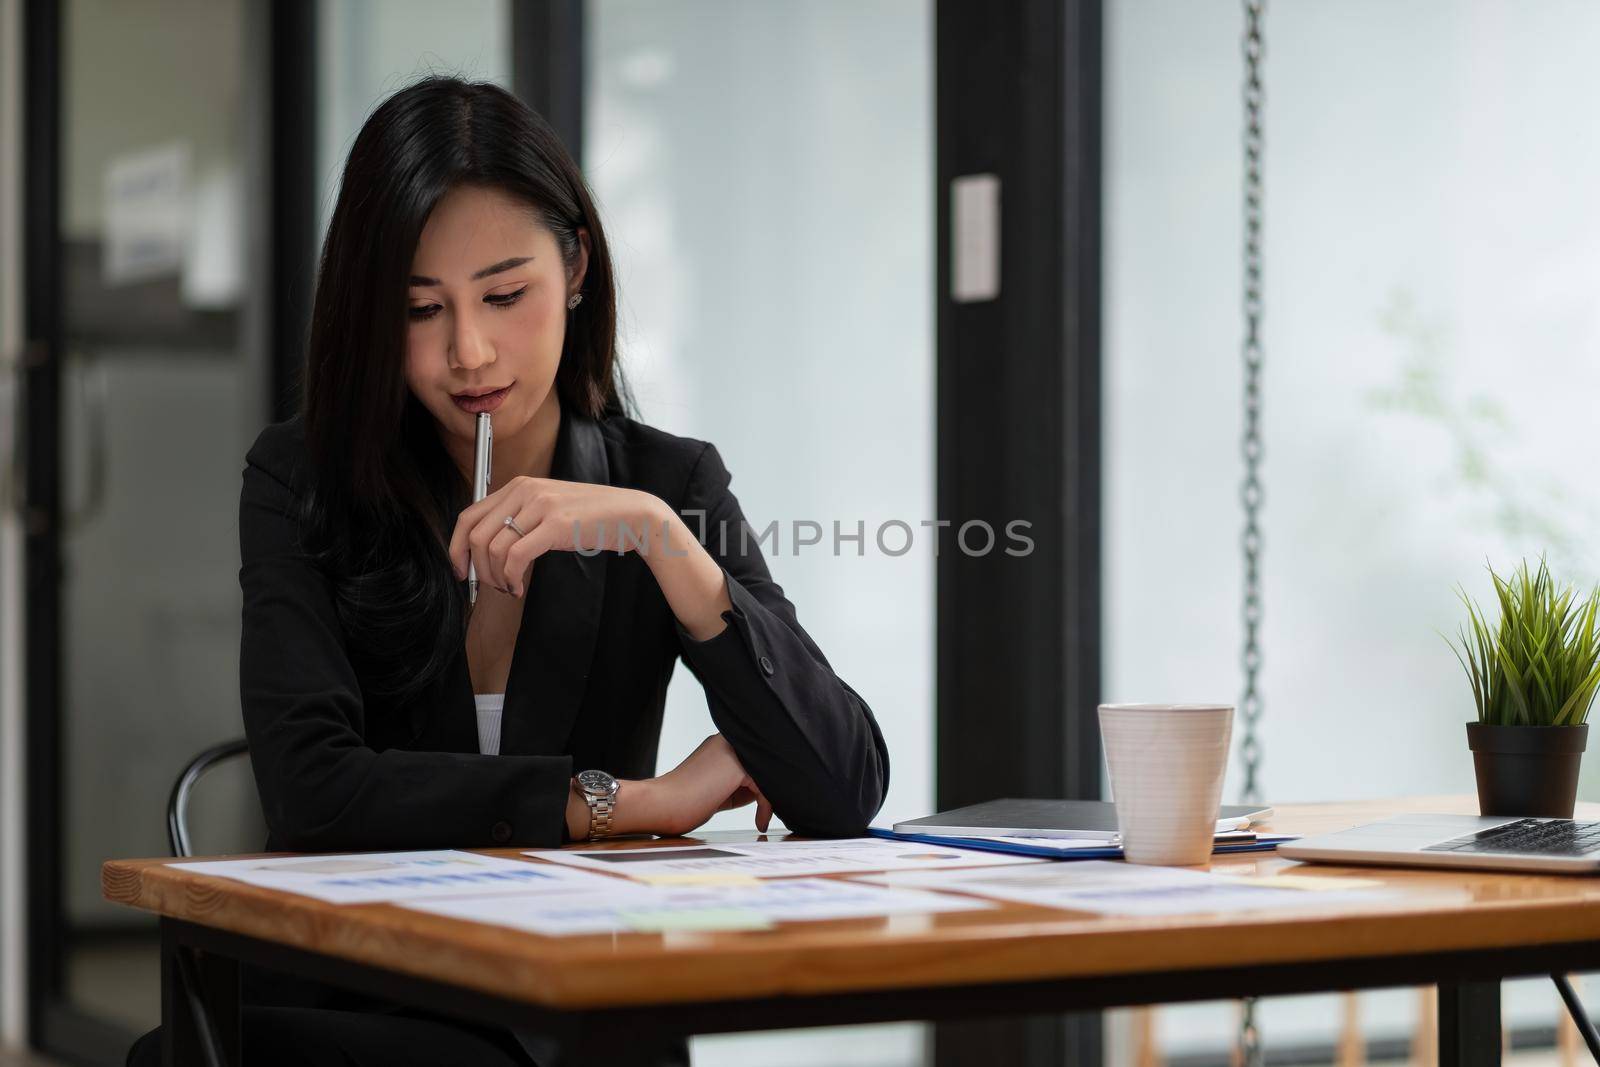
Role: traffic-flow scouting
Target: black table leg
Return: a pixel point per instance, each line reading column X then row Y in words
column 199, row 1005
column 1469, row 1024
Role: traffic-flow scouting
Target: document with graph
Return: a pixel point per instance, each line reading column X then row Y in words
column 773, row 859
column 374, row 877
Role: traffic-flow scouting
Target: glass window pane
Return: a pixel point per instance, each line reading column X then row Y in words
column 765, row 175
column 1431, row 261
column 368, row 49
column 163, row 387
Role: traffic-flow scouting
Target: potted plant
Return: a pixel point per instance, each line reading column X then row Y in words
column 1534, row 674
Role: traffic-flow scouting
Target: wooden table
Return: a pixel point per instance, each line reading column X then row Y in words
column 1464, row 931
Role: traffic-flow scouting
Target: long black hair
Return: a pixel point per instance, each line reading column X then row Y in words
column 385, row 494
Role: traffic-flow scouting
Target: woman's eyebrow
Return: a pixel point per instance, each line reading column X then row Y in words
column 495, row 268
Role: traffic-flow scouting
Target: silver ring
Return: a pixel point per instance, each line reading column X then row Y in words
column 511, row 521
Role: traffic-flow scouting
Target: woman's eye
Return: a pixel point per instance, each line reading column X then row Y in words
column 422, row 312
column 505, row 299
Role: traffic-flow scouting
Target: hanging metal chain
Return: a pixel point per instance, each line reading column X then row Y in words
column 1250, row 492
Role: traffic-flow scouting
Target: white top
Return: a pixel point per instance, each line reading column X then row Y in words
column 490, row 705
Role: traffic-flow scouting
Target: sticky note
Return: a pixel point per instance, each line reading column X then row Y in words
column 664, row 919
column 706, row 878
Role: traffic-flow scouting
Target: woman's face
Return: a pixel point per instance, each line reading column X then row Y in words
column 488, row 311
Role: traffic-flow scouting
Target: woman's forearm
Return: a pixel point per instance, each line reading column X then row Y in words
column 690, row 579
column 709, row 780
column 641, row 807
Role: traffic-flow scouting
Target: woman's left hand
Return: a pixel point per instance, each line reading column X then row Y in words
column 553, row 515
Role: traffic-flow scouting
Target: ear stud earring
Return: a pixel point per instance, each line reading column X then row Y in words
column 574, row 300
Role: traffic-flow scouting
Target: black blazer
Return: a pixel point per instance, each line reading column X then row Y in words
column 338, row 769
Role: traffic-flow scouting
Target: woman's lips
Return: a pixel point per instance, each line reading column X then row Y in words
column 487, row 402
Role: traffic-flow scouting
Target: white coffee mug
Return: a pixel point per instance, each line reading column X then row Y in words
column 1167, row 762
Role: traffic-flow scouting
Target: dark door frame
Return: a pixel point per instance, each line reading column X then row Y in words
column 547, row 64
column 53, row 1022
column 41, row 631
column 1018, row 96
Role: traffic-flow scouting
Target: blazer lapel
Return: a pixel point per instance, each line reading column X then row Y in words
column 560, row 617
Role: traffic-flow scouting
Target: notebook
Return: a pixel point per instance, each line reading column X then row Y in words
column 1015, row 817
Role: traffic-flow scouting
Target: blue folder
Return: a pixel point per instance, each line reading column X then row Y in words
column 1110, row 852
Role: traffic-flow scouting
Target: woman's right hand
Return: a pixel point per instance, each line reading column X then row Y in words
column 710, row 780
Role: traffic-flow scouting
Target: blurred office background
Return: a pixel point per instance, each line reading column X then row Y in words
column 773, row 178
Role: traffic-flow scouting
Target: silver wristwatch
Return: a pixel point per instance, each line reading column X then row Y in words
column 599, row 791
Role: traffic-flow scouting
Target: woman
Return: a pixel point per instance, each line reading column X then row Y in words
column 466, row 270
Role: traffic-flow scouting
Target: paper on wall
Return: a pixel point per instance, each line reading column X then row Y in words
column 147, row 206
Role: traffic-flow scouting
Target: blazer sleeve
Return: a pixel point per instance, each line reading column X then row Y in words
column 322, row 788
column 808, row 739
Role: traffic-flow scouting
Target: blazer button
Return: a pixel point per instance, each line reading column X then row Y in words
column 501, row 832
column 766, row 666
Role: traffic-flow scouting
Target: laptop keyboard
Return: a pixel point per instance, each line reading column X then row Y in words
column 1535, row 837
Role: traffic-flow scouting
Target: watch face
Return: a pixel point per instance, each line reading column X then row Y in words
column 597, row 783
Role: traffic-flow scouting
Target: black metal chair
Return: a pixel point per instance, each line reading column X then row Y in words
column 178, row 802
column 1580, row 1015
column 178, row 840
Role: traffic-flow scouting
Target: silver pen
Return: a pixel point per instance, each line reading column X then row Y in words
column 482, row 456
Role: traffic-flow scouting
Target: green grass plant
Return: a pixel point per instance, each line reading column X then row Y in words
column 1539, row 664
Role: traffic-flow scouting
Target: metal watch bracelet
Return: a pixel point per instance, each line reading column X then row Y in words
column 600, row 815
column 599, row 790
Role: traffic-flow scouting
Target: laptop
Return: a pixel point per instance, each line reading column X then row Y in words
column 1031, row 817
column 1493, row 842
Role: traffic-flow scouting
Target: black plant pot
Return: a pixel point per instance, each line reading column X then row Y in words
column 1527, row 770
